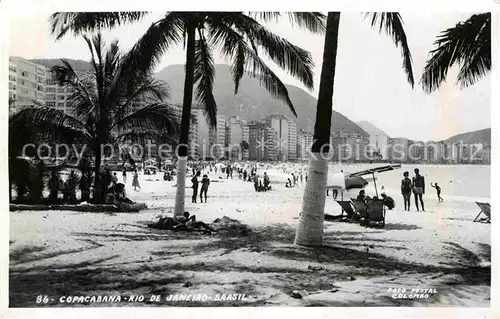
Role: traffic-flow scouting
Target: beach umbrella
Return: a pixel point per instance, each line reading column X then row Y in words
column 372, row 172
column 355, row 182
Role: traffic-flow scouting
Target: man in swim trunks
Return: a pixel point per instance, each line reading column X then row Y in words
column 418, row 188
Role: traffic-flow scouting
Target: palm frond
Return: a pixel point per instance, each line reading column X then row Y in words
column 48, row 124
column 83, row 98
column 142, row 137
column 232, row 45
column 312, row 21
column 295, row 60
column 159, row 117
column 148, row 91
column 82, row 22
column 158, row 39
column 204, row 74
column 392, row 24
column 467, row 44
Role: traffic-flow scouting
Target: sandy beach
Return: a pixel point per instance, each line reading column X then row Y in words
column 58, row 253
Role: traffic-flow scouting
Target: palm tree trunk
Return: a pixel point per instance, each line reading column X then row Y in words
column 310, row 228
column 185, row 121
column 96, row 196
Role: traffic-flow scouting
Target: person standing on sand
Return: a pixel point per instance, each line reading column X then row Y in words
column 266, row 181
column 306, row 177
column 195, row 182
column 135, row 181
column 438, row 190
column 124, row 175
column 406, row 187
column 205, row 181
column 418, row 188
column 256, row 182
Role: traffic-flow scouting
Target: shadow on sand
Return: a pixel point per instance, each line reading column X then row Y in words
column 284, row 265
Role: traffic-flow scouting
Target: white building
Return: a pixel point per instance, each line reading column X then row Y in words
column 26, row 84
column 286, row 136
column 304, row 143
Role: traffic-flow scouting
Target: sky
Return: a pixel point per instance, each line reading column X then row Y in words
column 370, row 84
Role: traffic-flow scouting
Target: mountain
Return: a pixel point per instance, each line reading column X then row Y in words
column 78, row 65
column 253, row 102
column 480, row 136
column 370, row 128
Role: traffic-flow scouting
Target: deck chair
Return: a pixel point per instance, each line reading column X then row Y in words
column 376, row 211
column 360, row 207
column 485, row 209
column 347, row 208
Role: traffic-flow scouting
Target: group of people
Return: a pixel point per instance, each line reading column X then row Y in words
column 258, row 184
column 185, row 222
column 295, row 179
column 135, row 179
column 416, row 185
column 205, row 182
column 388, row 201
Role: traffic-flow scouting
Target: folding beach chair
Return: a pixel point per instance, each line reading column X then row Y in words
column 360, row 207
column 376, row 211
column 485, row 209
column 347, row 208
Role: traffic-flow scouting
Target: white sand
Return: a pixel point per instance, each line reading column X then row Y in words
column 440, row 248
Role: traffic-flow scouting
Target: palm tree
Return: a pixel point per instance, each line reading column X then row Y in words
column 468, row 45
column 113, row 103
column 238, row 36
column 310, row 228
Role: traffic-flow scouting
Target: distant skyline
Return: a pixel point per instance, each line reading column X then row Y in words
column 369, row 84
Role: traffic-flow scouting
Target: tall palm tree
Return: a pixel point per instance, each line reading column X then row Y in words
column 238, row 36
column 310, row 229
column 468, row 45
column 113, row 103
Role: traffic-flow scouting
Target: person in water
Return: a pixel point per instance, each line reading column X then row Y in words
column 418, row 188
column 438, row 190
column 195, row 182
column 406, row 187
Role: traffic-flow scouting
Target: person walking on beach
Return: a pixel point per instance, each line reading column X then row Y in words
column 124, row 175
column 266, row 181
column 418, row 188
column 135, row 181
column 195, row 182
column 256, row 182
column 438, row 190
column 306, row 177
column 406, row 187
column 205, row 181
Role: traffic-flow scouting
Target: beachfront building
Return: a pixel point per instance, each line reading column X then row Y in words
column 304, row 143
column 262, row 142
column 397, row 150
column 349, row 147
column 236, row 132
column 286, row 136
column 26, row 84
column 217, row 137
column 378, row 145
column 292, row 140
column 193, row 128
column 201, row 131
